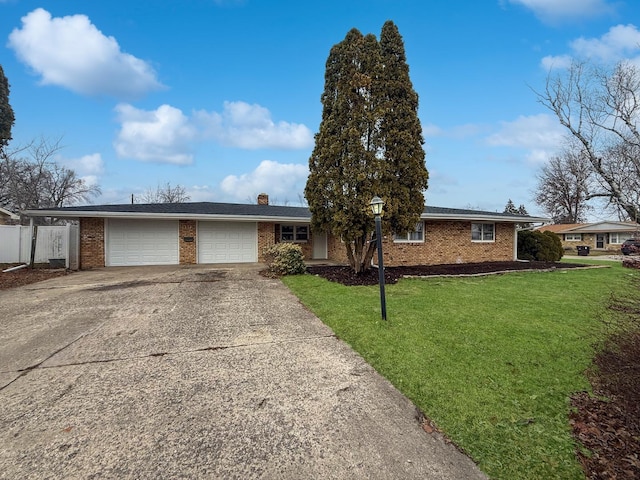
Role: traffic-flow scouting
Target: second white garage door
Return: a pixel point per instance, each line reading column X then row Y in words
column 227, row 242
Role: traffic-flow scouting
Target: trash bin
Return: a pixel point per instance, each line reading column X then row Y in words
column 583, row 250
column 57, row 263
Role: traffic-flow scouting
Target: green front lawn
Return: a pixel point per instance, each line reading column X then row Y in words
column 491, row 360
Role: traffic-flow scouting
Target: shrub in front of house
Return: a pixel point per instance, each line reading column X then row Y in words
column 540, row 246
column 285, row 259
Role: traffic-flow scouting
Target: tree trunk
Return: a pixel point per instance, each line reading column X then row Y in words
column 360, row 252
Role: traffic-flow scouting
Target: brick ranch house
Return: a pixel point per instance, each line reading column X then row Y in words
column 608, row 235
column 209, row 233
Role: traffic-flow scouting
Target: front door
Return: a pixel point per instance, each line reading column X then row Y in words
column 600, row 240
column 320, row 246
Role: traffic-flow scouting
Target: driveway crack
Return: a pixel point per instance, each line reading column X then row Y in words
column 25, row 371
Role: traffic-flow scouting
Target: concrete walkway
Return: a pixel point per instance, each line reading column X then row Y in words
column 195, row 372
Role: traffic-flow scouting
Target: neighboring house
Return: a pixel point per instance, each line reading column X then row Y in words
column 597, row 236
column 208, row 233
column 7, row 217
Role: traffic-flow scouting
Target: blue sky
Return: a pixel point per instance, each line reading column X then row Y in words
column 223, row 96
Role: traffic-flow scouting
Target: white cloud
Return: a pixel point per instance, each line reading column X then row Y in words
column 86, row 165
column 551, row 62
column 72, row 53
column 165, row 135
column 621, row 41
column 541, row 132
column 282, row 181
column 162, row 135
column 250, row 127
column 553, row 11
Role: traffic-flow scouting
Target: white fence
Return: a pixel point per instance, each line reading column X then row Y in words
column 53, row 242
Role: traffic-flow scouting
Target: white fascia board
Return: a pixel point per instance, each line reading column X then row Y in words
column 483, row 218
column 9, row 214
column 165, row 216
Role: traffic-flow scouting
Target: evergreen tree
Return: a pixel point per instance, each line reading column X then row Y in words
column 510, row 208
column 521, row 210
column 369, row 143
column 401, row 135
column 6, row 112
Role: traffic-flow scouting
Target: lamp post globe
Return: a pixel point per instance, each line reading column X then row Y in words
column 376, row 205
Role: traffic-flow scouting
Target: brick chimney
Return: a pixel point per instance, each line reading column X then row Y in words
column 263, row 199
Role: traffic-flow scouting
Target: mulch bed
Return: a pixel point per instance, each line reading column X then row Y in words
column 345, row 275
column 26, row 276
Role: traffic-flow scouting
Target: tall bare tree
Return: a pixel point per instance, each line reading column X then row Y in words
column 165, row 194
column 563, row 187
column 600, row 109
column 30, row 177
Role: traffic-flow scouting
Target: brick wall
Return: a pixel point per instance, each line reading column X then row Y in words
column 269, row 234
column 188, row 253
column 266, row 238
column 445, row 242
column 92, row 243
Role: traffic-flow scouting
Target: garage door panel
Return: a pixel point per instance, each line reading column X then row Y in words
column 227, row 242
column 142, row 242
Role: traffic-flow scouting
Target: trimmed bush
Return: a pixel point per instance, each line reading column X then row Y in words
column 540, row 246
column 285, row 259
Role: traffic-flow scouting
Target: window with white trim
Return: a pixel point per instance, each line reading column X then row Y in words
column 417, row 235
column 573, row 237
column 483, row 232
column 619, row 238
column 294, row 233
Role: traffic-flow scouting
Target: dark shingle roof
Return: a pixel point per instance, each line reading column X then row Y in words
column 238, row 210
column 191, row 208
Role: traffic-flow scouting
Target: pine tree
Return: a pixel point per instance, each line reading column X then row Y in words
column 369, row 143
column 510, row 208
column 6, row 112
column 401, row 134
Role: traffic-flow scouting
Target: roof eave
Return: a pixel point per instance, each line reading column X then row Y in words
column 482, row 217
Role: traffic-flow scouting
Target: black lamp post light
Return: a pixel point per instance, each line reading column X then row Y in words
column 376, row 207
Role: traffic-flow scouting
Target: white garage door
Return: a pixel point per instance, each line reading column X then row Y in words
column 227, row 242
column 142, row 242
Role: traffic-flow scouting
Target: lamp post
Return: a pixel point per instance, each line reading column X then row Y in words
column 376, row 207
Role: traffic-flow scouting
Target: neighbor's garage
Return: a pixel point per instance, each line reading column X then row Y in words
column 227, row 242
column 142, row 242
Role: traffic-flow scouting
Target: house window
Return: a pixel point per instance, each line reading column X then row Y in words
column 619, row 238
column 482, row 232
column 294, row 233
column 417, row 235
column 573, row 237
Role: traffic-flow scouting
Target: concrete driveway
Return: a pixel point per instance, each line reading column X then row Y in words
column 195, row 372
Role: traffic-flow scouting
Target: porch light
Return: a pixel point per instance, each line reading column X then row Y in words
column 376, row 205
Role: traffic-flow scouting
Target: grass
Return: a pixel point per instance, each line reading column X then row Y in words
column 491, row 360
